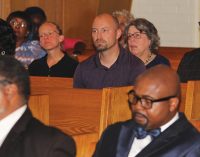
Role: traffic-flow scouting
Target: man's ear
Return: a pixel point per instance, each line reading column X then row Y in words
column 119, row 33
column 174, row 104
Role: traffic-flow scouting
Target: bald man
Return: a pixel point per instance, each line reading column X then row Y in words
column 157, row 128
column 112, row 65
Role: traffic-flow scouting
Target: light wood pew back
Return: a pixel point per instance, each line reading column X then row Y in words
column 83, row 113
column 42, row 85
column 192, row 105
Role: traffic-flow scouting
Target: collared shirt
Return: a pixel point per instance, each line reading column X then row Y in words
column 93, row 75
column 7, row 123
column 139, row 144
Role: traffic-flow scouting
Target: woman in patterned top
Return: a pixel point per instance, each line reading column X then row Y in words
column 26, row 51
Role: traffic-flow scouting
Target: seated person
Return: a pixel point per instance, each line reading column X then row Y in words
column 157, row 129
column 37, row 17
column 188, row 68
column 22, row 135
column 143, row 41
column 124, row 17
column 56, row 63
column 111, row 66
column 26, row 51
column 7, row 39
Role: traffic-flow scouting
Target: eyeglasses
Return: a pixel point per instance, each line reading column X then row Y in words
column 136, row 35
column 14, row 24
column 5, row 82
column 48, row 34
column 145, row 102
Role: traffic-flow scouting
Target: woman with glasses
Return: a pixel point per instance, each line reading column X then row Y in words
column 26, row 51
column 143, row 41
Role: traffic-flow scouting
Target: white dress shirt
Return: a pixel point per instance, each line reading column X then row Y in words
column 139, row 144
column 7, row 123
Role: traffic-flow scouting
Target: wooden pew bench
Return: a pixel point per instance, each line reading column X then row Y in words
column 84, row 113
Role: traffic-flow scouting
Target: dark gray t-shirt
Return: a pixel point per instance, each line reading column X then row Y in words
column 93, row 75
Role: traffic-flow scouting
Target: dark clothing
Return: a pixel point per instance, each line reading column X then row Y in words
column 181, row 139
column 64, row 68
column 159, row 59
column 188, row 68
column 92, row 74
column 31, row 138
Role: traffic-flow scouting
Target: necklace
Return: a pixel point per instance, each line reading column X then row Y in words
column 148, row 59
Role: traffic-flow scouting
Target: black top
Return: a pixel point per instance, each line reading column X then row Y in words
column 159, row 59
column 92, row 74
column 189, row 67
column 64, row 68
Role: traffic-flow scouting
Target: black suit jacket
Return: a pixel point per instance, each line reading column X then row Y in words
column 31, row 138
column 181, row 139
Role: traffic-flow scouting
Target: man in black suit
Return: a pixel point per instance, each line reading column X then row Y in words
column 21, row 135
column 157, row 128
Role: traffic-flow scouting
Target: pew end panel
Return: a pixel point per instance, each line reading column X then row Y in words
column 76, row 111
column 192, row 105
column 39, row 106
column 115, row 106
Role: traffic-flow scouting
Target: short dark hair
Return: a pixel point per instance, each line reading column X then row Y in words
column 33, row 11
column 7, row 39
column 146, row 26
column 13, row 71
column 21, row 15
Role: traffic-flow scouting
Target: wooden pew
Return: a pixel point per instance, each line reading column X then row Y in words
column 74, row 111
column 192, row 105
column 42, row 85
column 83, row 113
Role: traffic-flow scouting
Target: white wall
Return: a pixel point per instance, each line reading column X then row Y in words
column 176, row 20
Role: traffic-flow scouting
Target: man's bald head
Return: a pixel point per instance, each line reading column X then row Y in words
column 163, row 75
column 109, row 18
column 157, row 97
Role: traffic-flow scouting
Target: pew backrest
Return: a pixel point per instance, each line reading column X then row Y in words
column 42, row 85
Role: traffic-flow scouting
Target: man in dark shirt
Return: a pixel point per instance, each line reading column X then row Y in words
column 112, row 65
column 188, row 68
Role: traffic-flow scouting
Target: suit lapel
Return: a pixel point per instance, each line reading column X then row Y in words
column 125, row 140
column 14, row 137
column 166, row 138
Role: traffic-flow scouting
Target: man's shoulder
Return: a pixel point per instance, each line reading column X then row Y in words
column 116, row 127
column 192, row 54
column 89, row 62
column 37, row 128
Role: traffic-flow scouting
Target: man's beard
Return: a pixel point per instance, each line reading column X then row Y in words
column 102, row 46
